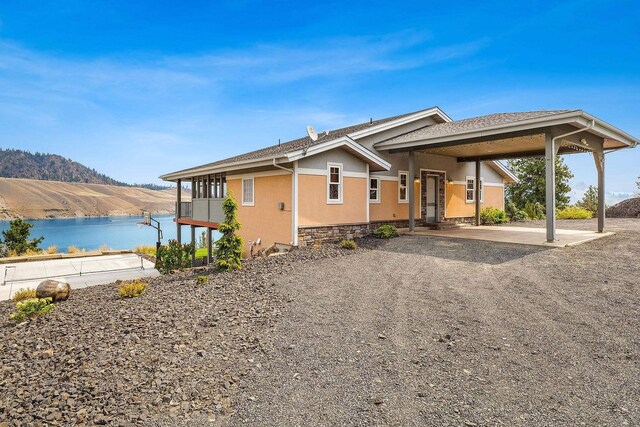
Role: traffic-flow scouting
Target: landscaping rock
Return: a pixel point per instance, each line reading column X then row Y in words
column 55, row 289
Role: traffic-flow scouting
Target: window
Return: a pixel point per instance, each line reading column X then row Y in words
column 471, row 190
column 402, row 186
column 247, row 192
column 374, row 190
column 334, row 183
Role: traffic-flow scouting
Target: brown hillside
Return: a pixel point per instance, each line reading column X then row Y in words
column 35, row 199
column 629, row 208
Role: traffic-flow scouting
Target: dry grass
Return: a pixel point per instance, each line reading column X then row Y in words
column 53, row 249
column 75, row 250
column 146, row 249
column 23, row 294
column 104, row 247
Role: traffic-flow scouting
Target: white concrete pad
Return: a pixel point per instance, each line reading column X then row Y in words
column 78, row 272
column 517, row 235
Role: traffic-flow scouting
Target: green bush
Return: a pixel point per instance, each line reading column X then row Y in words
column 132, row 289
column 513, row 213
column 32, row 308
column 348, row 244
column 574, row 212
column 16, row 238
column 385, row 232
column 24, row 294
column 201, row 280
column 534, row 210
column 174, row 256
column 492, row 216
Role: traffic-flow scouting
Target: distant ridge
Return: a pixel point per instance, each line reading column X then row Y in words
column 52, row 167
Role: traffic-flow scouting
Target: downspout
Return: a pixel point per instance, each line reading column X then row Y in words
column 589, row 126
column 294, row 231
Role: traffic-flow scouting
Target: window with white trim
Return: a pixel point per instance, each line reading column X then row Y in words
column 374, row 190
column 247, row 192
column 471, row 189
column 403, row 179
column 334, row 183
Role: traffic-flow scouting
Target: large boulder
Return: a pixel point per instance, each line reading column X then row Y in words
column 54, row 289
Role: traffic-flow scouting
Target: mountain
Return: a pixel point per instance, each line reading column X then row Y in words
column 40, row 199
column 52, row 167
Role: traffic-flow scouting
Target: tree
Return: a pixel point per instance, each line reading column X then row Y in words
column 16, row 238
column 590, row 200
column 531, row 186
column 638, row 184
column 229, row 246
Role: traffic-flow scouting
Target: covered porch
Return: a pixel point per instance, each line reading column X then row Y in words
column 517, row 135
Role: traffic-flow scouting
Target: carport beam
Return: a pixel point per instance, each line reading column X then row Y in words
column 477, row 195
column 179, row 211
column 550, row 186
column 598, row 156
column 411, row 190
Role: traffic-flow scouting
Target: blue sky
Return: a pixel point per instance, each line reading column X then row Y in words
column 136, row 89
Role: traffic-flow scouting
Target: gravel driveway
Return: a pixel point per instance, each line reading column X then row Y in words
column 428, row 331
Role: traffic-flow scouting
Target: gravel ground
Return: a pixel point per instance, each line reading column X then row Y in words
column 448, row 332
column 413, row 331
column 175, row 356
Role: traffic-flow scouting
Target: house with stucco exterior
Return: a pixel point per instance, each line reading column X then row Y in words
column 415, row 168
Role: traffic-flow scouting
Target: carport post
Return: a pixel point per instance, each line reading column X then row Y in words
column 598, row 156
column 411, row 188
column 550, row 186
column 477, row 196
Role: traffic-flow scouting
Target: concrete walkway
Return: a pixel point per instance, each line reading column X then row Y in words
column 518, row 235
column 78, row 272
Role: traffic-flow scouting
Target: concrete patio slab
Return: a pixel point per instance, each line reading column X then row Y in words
column 517, row 235
column 78, row 272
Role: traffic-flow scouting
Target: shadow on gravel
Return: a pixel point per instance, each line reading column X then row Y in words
column 467, row 250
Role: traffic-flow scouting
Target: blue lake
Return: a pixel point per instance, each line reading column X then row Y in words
column 119, row 232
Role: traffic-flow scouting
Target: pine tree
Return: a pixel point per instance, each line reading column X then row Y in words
column 16, row 238
column 531, row 186
column 229, row 247
column 590, row 200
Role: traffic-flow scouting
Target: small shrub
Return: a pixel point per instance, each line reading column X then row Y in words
column 32, row 308
column 201, row 280
column 385, row 232
column 24, row 294
column 573, row 212
column 513, row 213
column 4, row 251
column 534, row 210
column 104, row 247
column 131, row 289
column 348, row 244
column 73, row 250
column 492, row 216
column 174, row 256
column 53, row 249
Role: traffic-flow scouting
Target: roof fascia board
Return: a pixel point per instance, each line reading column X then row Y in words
column 399, row 122
column 503, row 170
column 337, row 143
column 265, row 161
column 571, row 117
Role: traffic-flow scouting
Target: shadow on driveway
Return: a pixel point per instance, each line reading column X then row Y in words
column 457, row 249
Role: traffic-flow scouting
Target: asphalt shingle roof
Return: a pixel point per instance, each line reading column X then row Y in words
column 474, row 123
column 300, row 143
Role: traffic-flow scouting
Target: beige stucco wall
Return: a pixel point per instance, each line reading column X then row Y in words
column 264, row 220
column 313, row 208
column 389, row 209
column 456, row 205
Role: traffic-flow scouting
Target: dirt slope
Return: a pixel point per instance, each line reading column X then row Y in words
column 629, row 208
column 35, row 199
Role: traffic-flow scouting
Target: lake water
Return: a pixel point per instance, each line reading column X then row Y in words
column 119, row 232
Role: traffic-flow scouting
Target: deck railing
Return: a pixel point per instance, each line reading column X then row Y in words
column 206, row 210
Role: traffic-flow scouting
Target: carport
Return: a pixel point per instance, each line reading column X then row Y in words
column 517, row 135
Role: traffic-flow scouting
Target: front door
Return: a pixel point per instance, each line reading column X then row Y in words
column 432, row 198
